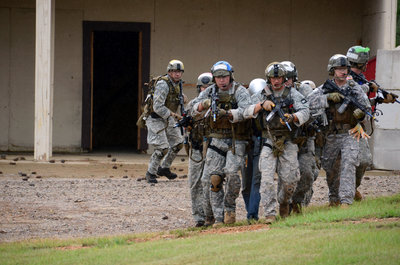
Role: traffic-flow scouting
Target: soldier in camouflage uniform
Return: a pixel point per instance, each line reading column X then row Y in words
column 358, row 57
column 166, row 140
column 340, row 153
column 227, row 143
column 196, row 159
column 279, row 152
column 305, row 139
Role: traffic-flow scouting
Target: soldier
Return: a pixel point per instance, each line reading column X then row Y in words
column 196, row 159
column 305, row 140
column 161, row 133
column 280, row 108
column 358, row 57
column 340, row 151
column 251, row 178
column 224, row 102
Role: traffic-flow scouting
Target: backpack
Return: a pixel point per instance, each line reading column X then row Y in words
column 147, row 106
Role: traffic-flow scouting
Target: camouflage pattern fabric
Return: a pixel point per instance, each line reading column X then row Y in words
column 196, row 187
column 365, row 160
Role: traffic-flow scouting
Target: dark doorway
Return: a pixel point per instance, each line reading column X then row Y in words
column 116, row 63
column 115, row 89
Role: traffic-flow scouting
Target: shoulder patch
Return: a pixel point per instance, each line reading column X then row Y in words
column 352, row 83
column 303, row 101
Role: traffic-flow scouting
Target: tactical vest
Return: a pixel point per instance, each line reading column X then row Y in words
column 341, row 123
column 172, row 100
column 223, row 128
column 197, row 133
column 275, row 127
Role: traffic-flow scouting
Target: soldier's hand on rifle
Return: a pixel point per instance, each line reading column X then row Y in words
column 222, row 112
column 268, row 105
column 390, row 98
column 373, row 86
column 335, row 97
column 289, row 118
column 358, row 132
column 358, row 114
column 206, row 103
column 176, row 115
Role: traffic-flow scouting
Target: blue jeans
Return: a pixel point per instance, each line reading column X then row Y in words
column 251, row 179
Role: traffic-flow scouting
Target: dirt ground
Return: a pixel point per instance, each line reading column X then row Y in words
column 106, row 194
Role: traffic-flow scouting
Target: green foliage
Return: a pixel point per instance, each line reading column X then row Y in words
column 360, row 234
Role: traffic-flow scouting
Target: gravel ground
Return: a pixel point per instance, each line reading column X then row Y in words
column 94, row 196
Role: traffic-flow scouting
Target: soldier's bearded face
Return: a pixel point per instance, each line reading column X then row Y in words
column 276, row 83
column 341, row 73
column 175, row 75
column 223, row 82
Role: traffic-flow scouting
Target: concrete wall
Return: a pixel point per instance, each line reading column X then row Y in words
column 386, row 138
column 249, row 34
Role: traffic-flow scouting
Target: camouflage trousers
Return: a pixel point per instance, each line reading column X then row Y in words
column 196, row 166
column 228, row 163
column 286, row 166
column 166, row 140
column 339, row 160
column 365, row 160
column 308, row 173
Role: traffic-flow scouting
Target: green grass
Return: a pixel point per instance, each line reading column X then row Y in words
column 321, row 235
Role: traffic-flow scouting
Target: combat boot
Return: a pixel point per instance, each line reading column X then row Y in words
column 269, row 219
column 334, row 203
column 284, row 210
column 229, row 217
column 209, row 221
column 151, row 178
column 296, row 208
column 199, row 224
column 164, row 171
column 358, row 196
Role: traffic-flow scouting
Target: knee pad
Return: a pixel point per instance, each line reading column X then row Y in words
column 216, row 182
column 160, row 153
column 177, row 148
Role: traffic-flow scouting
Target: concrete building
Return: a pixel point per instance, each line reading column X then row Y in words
column 101, row 52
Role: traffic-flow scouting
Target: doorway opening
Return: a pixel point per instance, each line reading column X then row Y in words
column 115, row 90
column 116, row 63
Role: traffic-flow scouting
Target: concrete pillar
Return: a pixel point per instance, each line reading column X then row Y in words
column 44, row 79
column 385, row 142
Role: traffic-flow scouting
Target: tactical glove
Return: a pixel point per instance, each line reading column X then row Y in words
column 335, row 97
column 268, row 105
column 373, row 87
column 206, row 103
column 358, row 114
column 289, row 118
column 390, row 98
column 176, row 115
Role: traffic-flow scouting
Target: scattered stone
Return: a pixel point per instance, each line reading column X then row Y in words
column 366, row 178
column 114, row 167
column 22, row 158
column 152, row 184
column 38, row 177
column 25, row 179
column 52, row 161
column 109, row 155
column 111, row 176
column 2, row 232
column 125, row 177
column 13, row 163
column 23, row 174
column 182, row 159
column 31, row 184
column 181, row 169
column 183, row 177
column 16, row 159
column 63, row 161
column 78, row 200
column 20, row 173
column 33, row 172
column 1, row 172
column 3, row 156
column 114, row 159
column 165, row 217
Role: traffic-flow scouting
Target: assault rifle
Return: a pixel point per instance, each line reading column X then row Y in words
column 214, row 103
column 278, row 109
column 381, row 94
column 184, row 115
column 348, row 94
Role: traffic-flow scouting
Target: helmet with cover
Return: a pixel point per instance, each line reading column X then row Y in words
column 337, row 60
column 358, row 57
column 175, row 65
column 205, row 79
column 275, row 70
